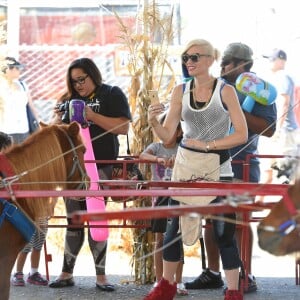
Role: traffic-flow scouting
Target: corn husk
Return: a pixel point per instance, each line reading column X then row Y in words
column 147, row 64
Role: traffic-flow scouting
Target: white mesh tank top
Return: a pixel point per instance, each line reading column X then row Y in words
column 209, row 123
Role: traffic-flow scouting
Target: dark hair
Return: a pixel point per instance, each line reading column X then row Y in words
column 89, row 67
column 5, row 140
column 10, row 63
column 247, row 64
column 161, row 121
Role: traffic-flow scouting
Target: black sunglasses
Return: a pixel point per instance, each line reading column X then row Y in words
column 193, row 57
column 14, row 67
column 80, row 80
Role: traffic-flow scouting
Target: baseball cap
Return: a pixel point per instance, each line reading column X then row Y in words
column 238, row 50
column 12, row 62
column 276, row 53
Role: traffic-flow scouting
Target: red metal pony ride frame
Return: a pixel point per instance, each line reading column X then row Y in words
column 232, row 191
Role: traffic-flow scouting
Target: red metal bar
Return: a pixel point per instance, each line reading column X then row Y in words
column 247, row 164
column 297, row 271
column 163, row 212
column 48, row 258
column 245, row 244
column 178, row 188
column 195, row 189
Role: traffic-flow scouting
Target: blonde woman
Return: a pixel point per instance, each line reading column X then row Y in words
column 207, row 106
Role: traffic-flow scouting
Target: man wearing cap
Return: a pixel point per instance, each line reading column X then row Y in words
column 14, row 100
column 11, row 63
column 237, row 59
column 287, row 133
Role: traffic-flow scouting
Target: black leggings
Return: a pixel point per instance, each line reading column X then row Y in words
column 224, row 234
column 75, row 236
column 74, row 241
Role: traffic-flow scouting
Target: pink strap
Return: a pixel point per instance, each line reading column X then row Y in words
column 94, row 204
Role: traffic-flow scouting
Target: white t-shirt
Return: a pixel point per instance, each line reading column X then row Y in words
column 13, row 101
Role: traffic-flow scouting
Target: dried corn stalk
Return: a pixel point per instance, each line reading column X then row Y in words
column 147, row 63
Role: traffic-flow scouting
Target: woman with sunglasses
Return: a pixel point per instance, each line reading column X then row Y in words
column 108, row 115
column 206, row 106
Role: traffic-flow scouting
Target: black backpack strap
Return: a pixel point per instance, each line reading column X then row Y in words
column 128, row 147
column 22, row 84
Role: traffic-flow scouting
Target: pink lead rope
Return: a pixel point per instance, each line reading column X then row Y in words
column 94, row 204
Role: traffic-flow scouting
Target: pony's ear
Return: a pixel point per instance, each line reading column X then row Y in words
column 73, row 128
column 42, row 124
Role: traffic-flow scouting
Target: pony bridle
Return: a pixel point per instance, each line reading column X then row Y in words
column 77, row 165
column 288, row 226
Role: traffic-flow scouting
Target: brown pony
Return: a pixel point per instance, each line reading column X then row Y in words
column 50, row 159
column 278, row 233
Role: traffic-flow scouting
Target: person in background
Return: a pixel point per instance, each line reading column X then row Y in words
column 35, row 247
column 287, row 136
column 162, row 155
column 5, row 140
column 14, row 98
column 207, row 106
column 237, row 59
column 108, row 115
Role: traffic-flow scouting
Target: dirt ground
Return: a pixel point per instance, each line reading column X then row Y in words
column 275, row 277
column 269, row 289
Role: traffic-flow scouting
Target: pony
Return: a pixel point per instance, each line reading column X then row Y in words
column 52, row 158
column 278, row 233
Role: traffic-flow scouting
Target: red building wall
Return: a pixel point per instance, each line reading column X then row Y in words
column 72, row 29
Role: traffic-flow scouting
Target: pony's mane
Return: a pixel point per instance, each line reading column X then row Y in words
column 39, row 156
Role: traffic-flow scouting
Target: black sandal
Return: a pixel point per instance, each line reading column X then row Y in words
column 105, row 287
column 60, row 283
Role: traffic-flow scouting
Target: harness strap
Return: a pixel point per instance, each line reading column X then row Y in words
column 6, row 167
column 18, row 219
column 76, row 164
column 4, row 210
column 6, row 170
column 289, row 204
column 288, row 226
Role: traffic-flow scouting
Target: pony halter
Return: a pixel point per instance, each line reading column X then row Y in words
column 288, row 226
column 77, row 165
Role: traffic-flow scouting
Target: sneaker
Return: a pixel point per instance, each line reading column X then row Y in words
column 233, row 295
column 252, row 286
column 37, row 279
column 206, row 280
column 181, row 290
column 18, row 279
column 163, row 291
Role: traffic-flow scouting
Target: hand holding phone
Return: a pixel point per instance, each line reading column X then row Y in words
column 153, row 95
